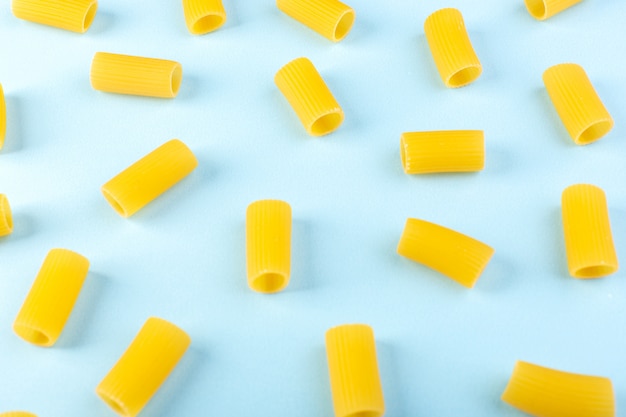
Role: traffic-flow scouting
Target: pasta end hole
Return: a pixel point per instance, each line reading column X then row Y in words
column 33, row 336
column 537, row 8
column 326, row 124
column 595, row 132
column 208, row 24
column 117, row 407
column 595, row 271
column 270, row 282
column 6, row 210
column 344, row 25
column 464, row 77
column 177, row 78
column 89, row 16
column 115, row 204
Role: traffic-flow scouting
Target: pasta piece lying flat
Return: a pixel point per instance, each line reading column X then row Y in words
column 17, row 414
column 306, row 91
column 6, row 217
column 588, row 238
column 545, row 392
column 577, row 103
column 268, row 245
column 543, row 9
column 73, row 15
column 353, row 368
column 330, row 18
column 139, row 184
column 145, row 365
column 456, row 61
column 204, row 16
column 52, row 297
column 451, row 253
column 126, row 74
column 442, row 151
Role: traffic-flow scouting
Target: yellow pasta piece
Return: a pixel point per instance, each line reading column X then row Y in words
column 451, row 48
column 577, row 103
column 330, row 18
column 353, row 368
column 451, row 253
column 145, row 365
column 73, row 15
column 588, row 239
column 52, row 297
column 139, row 184
column 3, row 117
column 309, row 96
column 17, row 414
column 545, row 392
column 204, row 16
column 543, row 9
column 442, row 151
column 126, row 74
column 268, row 245
column 6, row 218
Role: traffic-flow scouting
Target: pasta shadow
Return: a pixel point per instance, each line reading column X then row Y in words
column 13, row 137
column 302, row 272
column 24, row 226
column 101, row 23
column 389, row 368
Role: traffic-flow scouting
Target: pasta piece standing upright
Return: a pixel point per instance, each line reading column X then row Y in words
column 145, row 365
column 306, row 91
column 456, row 61
column 577, row 103
column 3, row 117
column 588, row 239
column 6, row 217
column 545, row 392
column 52, row 297
column 330, row 18
column 73, row 15
column 127, row 74
column 204, row 16
column 543, row 9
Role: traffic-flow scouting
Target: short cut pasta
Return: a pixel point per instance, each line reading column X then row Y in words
column 146, row 364
column 306, row 91
column 543, row 9
column 135, row 75
column 51, row 299
column 330, row 18
column 139, row 184
column 204, row 16
column 545, row 392
column 449, row 43
column 6, row 217
column 577, row 103
column 72, row 15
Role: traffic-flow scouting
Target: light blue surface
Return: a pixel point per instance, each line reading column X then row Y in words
column 443, row 350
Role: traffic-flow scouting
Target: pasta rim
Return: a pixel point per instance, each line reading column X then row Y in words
column 90, row 15
column 344, row 25
column 208, row 23
column 6, row 217
column 327, row 123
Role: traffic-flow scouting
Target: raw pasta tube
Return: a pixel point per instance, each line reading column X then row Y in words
column 451, row 48
column 588, row 239
column 577, row 103
column 17, row 414
column 268, row 245
column 145, row 365
column 306, row 91
column 545, row 392
column 543, row 9
column 330, row 18
column 451, row 253
column 204, row 16
column 6, row 217
column 73, row 15
column 139, row 184
column 3, row 117
column 52, row 297
column 442, row 151
column 127, row 74
column 354, row 380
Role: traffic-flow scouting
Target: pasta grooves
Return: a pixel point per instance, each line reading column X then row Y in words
column 319, row 14
column 295, row 78
column 584, row 198
column 571, row 100
column 45, row 11
column 447, row 39
column 199, row 9
column 263, row 260
column 136, row 73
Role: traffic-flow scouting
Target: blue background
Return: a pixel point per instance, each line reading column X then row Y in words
column 443, row 350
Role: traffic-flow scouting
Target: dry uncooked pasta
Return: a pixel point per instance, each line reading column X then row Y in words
column 17, row 414
column 145, row 365
column 52, row 297
column 204, row 16
column 353, row 368
column 330, row 18
column 73, row 15
column 6, row 217
column 135, row 75
column 543, row 9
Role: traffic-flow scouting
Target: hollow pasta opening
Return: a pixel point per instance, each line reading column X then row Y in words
column 89, row 16
column 117, row 206
column 115, row 405
column 31, row 335
column 208, row 24
column 269, row 282
column 326, row 124
column 595, row 271
column 595, row 132
column 537, row 8
column 177, row 78
column 464, row 77
column 403, row 155
column 344, row 25
column 5, row 210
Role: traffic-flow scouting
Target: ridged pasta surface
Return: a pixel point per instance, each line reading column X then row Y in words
column 73, row 15
column 6, row 217
column 330, row 18
column 543, row 9
column 204, row 16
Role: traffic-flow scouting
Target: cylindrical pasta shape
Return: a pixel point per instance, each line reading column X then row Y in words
column 204, row 16
column 588, row 239
column 442, row 151
column 330, row 18
column 268, row 245
column 450, row 45
column 543, row 9
column 309, row 96
column 545, row 392
column 451, row 253
column 17, row 414
column 139, row 184
column 73, row 15
column 52, row 297
column 577, row 103
column 6, row 217
column 127, row 74
column 3, row 117
column 353, row 368
column 145, row 365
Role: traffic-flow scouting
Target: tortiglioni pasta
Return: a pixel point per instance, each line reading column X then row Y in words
column 6, row 217
column 543, row 9
column 204, row 16
column 73, row 15
column 330, row 18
